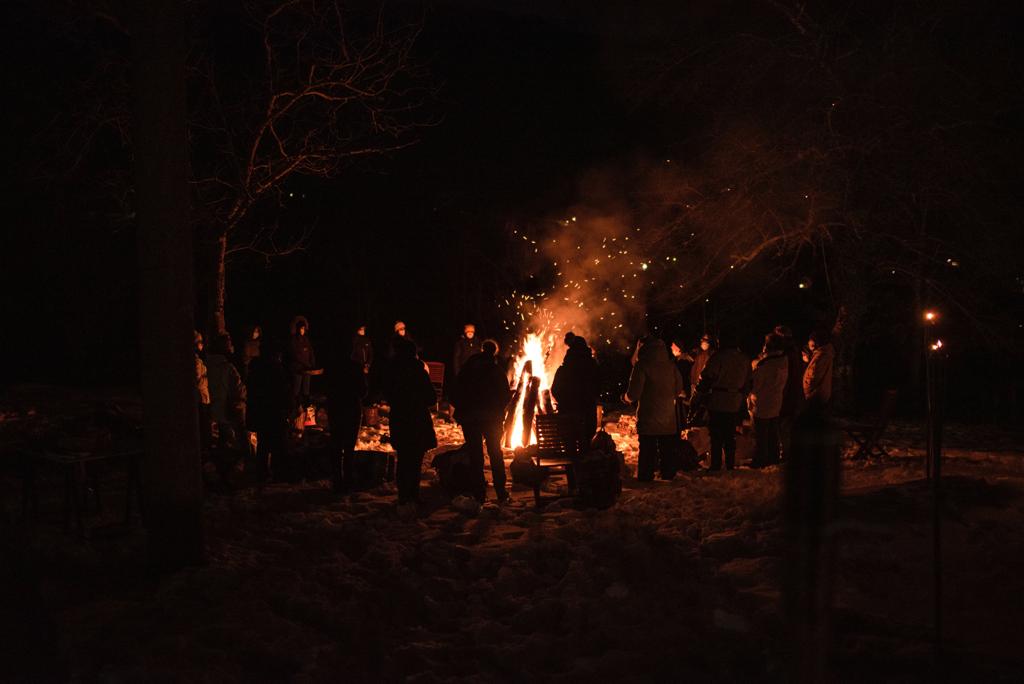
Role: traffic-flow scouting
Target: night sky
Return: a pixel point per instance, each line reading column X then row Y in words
column 537, row 111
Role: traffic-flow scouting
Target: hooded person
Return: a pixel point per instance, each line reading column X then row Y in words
column 576, row 386
column 725, row 381
column 466, row 346
column 480, row 396
column 769, row 377
column 301, row 359
column 654, row 385
column 409, row 392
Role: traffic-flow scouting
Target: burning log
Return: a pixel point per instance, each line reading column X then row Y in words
column 546, row 405
column 530, row 405
column 510, row 412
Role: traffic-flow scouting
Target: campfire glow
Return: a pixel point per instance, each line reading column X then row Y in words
column 534, row 369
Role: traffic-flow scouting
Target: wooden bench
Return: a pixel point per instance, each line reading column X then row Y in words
column 558, row 448
column 435, row 369
column 868, row 435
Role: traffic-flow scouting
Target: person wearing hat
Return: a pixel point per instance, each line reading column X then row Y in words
column 465, row 347
column 699, row 358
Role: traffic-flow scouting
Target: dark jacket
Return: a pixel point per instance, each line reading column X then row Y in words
column 410, row 394
column 300, row 350
column 817, row 380
column 727, row 379
column 362, row 350
column 269, row 395
column 481, row 390
column 700, row 359
column 655, row 383
column 793, row 394
column 346, row 389
column 248, row 350
column 464, row 349
column 575, row 386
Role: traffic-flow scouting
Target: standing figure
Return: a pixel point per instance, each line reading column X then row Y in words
column 770, row 373
column 726, row 381
column 346, row 389
column 480, row 395
column 253, row 337
column 227, row 404
column 655, row 383
column 576, row 386
column 817, row 379
column 699, row 358
column 270, row 402
column 467, row 345
column 301, row 360
column 410, row 394
column 793, row 395
column 362, row 349
column 397, row 338
column 202, row 391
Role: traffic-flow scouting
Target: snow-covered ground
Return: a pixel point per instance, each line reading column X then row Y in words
column 677, row 582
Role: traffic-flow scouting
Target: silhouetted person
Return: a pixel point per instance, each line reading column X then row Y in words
column 480, row 396
column 725, row 381
column 817, row 378
column 400, row 334
column 655, row 383
column 793, row 394
column 466, row 346
column 770, row 372
column 252, row 337
column 576, row 386
column 270, row 404
column 346, row 389
column 410, row 394
column 301, row 360
column 362, row 349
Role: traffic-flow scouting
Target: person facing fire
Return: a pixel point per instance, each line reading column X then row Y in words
column 699, row 358
column 346, row 389
column 269, row 406
column 465, row 347
column 399, row 335
column 409, row 392
column 301, row 360
column 725, row 382
column 576, row 386
column 253, row 337
column 769, row 376
column 654, row 384
column 793, row 395
column 362, row 349
column 480, row 396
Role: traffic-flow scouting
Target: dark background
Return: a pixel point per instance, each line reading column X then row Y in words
column 529, row 102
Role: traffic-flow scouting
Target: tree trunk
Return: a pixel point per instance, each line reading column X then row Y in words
column 170, row 469
column 217, row 323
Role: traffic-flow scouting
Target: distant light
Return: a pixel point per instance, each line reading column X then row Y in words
column 936, row 345
column 643, row 266
column 931, row 316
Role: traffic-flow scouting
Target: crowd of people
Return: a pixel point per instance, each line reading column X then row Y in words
column 254, row 398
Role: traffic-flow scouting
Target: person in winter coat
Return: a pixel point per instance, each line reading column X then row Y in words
column 770, row 372
column 362, row 349
column 480, row 396
column 346, row 389
column 654, row 384
column 467, row 346
column 269, row 406
column 699, row 358
column 397, row 338
column 253, row 337
column 301, row 360
column 793, row 394
column 576, row 387
column 410, row 394
column 227, row 404
column 202, row 391
column 725, row 382
column 817, row 379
